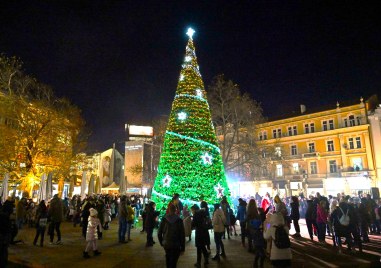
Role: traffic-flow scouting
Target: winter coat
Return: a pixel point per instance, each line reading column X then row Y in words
column 241, row 214
column 151, row 217
column 130, row 214
column 123, row 213
column 56, row 210
column 107, row 215
column 91, row 233
column 310, row 211
column 202, row 233
column 277, row 253
column 226, row 209
column 338, row 229
column 187, row 225
column 171, row 233
column 295, row 216
column 218, row 221
column 322, row 215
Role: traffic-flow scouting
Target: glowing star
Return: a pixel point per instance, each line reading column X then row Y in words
column 199, row 93
column 207, row 159
column 190, row 32
column 167, row 181
column 220, row 190
column 188, row 58
column 182, row 116
column 181, row 77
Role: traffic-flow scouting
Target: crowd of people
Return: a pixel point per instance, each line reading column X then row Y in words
column 264, row 223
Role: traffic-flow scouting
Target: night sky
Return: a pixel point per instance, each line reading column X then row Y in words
column 119, row 61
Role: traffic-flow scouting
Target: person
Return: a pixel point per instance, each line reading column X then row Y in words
column 5, row 231
column 233, row 221
column 204, row 206
column 251, row 214
column 150, row 223
column 85, row 216
column 130, row 220
column 332, row 208
column 280, row 257
column 339, row 229
column 123, row 214
column 310, row 217
column 171, row 235
column 265, row 202
column 56, row 217
column 226, row 208
column 295, row 216
column 41, row 221
column 321, row 220
column 187, row 222
column 107, row 217
column 241, row 215
column 21, row 213
column 218, row 221
column 92, row 233
column 202, row 233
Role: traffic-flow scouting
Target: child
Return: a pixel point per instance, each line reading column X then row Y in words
column 92, row 234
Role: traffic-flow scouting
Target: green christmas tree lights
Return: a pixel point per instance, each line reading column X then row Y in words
column 191, row 163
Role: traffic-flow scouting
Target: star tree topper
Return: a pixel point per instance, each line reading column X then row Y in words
column 190, row 32
column 167, row 181
column 220, row 190
column 207, row 159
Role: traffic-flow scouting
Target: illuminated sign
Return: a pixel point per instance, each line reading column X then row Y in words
column 144, row 131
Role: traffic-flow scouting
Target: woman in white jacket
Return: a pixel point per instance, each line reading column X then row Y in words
column 218, row 221
column 280, row 257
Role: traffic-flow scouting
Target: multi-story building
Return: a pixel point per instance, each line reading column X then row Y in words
column 329, row 151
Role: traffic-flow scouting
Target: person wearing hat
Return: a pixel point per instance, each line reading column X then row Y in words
column 92, row 234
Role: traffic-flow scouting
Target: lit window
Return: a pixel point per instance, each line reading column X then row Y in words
column 332, row 166
column 358, row 142
column 313, row 168
column 330, row 147
column 295, row 167
column 279, row 170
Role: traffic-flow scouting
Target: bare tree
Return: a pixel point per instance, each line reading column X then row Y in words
column 235, row 116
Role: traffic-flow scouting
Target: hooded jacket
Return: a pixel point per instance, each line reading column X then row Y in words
column 171, row 233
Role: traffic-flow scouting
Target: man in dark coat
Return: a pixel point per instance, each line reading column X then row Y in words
column 171, row 235
column 5, row 231
column 56, row 217
column 150, row 224
column 202, row 233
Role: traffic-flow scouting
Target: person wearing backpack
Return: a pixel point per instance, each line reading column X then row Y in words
column 280, row 254
column 218, row 222
column 341, row 224
column 171, row 236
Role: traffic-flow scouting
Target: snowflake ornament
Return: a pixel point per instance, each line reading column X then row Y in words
column 220, row 190
column 207, row 159
column 199, row 93
column 188, row 58
column 182, row 116
column 167, row 181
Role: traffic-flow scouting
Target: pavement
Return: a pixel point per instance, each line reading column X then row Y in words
column 306, row 253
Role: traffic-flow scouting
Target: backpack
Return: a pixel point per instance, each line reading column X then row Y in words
column 170, row 234
column 344, row 219
column 281, row 237
column 256, row 232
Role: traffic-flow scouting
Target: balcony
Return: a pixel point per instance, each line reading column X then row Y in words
column 311, row 155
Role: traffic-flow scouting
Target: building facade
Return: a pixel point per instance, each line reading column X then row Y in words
column 329, row 151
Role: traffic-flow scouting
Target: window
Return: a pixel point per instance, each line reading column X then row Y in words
column 331, row 126
column 357, row 164
column 306, row 128
column 294, row 150
column 358, row 142
column 330, row 147
column 312, row 127
column 260, row 136
column 289, row 131
column 311, row 147
column 265, row 135
column 351, row 144
column 325, row 125
column 332, row 166
column 274, row 133
column 351, row 120
column 358, row 120
column 279, row 133
column 295, row 167
column 295, row 130
column 345, row 122
column 279, row 170
column 313, row 168
column 278, row 151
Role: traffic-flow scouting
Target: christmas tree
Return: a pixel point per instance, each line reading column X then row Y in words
column 190, row 163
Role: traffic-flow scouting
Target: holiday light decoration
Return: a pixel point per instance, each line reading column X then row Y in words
column 190, row 163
